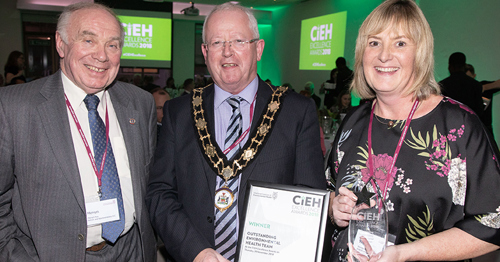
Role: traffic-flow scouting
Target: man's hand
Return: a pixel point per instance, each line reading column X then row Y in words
column 209, row 255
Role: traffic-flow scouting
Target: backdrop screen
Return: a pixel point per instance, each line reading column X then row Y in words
column 148, row 39
column 322, row 41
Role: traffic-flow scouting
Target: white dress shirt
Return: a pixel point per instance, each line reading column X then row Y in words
column 88, row 176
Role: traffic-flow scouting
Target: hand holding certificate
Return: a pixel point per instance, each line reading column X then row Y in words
column 283, row 223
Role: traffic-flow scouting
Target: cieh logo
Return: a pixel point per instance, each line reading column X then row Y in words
column 321, row 37
column 307, row 201
column 138, row 36
column 138, row 29
column 321, row 32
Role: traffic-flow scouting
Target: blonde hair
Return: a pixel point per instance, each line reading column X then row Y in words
column 402, row 15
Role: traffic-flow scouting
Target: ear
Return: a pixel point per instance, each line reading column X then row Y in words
column 260, row 48
column 60, row 45
column 205, row 52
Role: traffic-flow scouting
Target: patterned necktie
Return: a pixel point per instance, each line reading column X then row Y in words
column 226, row 235
column 110, row 187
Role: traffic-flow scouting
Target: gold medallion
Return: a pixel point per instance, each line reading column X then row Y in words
column 210, row 150
column 263, row 129
column 201, row 124
column 273, row 106
column 227, row 173
column 197, row 101
column 248, row 154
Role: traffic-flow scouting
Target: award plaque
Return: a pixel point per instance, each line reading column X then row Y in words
column 368, row 229
column 283, row 223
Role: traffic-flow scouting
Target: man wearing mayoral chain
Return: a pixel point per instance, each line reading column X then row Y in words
column 215, row 140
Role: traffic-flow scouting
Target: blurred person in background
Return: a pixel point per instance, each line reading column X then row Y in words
column 14, row 69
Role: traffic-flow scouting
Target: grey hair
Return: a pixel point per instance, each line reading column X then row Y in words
column 65, row 18
column 232, row 7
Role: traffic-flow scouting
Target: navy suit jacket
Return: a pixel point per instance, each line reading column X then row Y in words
column 181, row 190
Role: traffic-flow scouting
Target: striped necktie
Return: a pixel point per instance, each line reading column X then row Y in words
column 110, row 187
column 226, row 235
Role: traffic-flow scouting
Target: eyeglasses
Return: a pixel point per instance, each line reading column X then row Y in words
column 237, row 44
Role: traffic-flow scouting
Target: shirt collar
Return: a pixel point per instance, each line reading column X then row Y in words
column 247, row 94
column 75, row 94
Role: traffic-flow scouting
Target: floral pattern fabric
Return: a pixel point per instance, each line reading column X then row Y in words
column 447, row 173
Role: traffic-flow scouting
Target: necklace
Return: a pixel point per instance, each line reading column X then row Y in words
column 390, row 124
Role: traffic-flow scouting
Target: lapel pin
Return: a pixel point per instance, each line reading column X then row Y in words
column 131, row 121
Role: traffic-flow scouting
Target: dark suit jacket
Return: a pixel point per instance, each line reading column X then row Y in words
column 182, row 184
column 39, row 174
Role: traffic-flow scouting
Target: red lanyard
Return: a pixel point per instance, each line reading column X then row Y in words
column 398, row 148
column 244, row 133
column 99, row 172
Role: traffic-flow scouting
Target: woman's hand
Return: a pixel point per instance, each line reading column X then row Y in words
column 342, row 206
column 390, row 254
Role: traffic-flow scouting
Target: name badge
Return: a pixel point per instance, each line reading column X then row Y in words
column 102, row 211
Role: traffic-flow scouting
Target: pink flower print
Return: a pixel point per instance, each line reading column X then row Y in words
column 435, row 143
column 409, row 181
column 446, row 167
column 406, row 190
column 442, row 139
column 452, row 131
column 460, row 132
column 452, row 137
column 382, row 174
column 438, row 154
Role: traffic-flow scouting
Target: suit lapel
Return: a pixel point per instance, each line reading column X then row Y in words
column 263, row 95
column 130, row 119
column 54, row 117
column 208, row 105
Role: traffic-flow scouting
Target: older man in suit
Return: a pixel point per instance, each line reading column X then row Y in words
column 219, row 137
column 75, row 148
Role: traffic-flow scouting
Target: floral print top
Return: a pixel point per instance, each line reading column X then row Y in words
column 447, row 173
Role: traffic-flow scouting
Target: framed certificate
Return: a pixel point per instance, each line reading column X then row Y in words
column 283, row 223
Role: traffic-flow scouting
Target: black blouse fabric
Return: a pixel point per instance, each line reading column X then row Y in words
column 447, row 173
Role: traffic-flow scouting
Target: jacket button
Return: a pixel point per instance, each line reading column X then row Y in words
column 209, row 219
column 81, row 237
